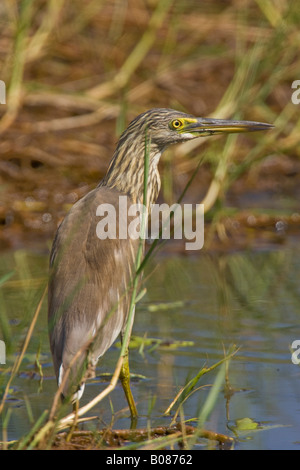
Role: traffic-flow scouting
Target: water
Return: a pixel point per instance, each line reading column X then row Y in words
column 249, row 299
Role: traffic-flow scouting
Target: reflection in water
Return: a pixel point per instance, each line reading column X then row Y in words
column 250, row 299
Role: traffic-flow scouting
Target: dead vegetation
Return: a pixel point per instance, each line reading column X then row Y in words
column 77, row 72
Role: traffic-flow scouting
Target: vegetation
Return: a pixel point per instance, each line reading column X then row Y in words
column 76, row 72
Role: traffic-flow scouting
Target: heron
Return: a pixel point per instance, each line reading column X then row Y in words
column 88, row 295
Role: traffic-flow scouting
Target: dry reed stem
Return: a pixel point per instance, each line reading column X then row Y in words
column 137, row 55
column 69, row 418
column 24, row 348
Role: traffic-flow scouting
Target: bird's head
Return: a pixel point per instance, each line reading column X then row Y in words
column 161, row 127
column 167, row 126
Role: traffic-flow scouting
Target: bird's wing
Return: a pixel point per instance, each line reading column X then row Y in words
column 89, row 281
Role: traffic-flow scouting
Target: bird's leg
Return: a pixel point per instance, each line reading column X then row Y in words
column 125, row 381
column 74, row 424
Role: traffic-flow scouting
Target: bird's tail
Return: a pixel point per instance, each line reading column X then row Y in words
column 72, row 378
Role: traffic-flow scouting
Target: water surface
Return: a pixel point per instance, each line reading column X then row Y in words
column 207, row 302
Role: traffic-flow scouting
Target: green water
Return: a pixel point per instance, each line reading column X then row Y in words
column 250, row 299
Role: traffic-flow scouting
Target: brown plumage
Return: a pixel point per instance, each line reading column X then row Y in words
column 89, row 282
column 102, row 270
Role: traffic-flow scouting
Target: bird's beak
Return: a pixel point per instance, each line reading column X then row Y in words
column 203, row 126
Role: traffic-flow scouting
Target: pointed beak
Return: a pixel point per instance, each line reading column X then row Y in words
column 203, row 126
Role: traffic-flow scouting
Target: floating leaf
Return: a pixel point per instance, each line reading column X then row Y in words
column 165, row 306
column 142, row 342
column 246, row 424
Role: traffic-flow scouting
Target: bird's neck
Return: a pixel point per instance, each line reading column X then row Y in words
column 126, row 173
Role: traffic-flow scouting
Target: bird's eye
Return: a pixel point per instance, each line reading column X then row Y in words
column 176, row 124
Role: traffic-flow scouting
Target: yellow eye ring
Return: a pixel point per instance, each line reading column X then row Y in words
column 176, row 124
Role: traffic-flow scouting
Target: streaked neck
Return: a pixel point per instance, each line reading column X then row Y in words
column 126, row 172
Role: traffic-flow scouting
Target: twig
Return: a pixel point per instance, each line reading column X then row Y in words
column 25, row 345
column 69, row 419
column 116, row 436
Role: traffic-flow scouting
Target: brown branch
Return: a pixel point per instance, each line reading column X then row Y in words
column 117, row 437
